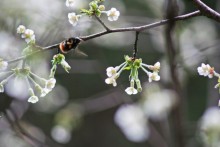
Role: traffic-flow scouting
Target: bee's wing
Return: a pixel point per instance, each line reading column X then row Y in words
column 79, row 53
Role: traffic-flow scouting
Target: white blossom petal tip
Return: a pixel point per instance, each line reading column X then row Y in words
column 153, row 76
column 131, row 90
column 50, row 84
column 33, row 99
column 111, row 80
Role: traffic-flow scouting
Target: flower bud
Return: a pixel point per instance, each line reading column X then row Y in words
column 101, row 7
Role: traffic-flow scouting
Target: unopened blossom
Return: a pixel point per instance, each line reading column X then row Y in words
column 131, row 90
column 205, row 70
column 65, row 65
column 73, row 18
column 101, row 7
column 28, row 35
column 50, row 84
column 33, row 99
column 70, row 3
column 3, row 65
column 113, row 14
column 111, row 80
column 21, row 29
column 153, row 76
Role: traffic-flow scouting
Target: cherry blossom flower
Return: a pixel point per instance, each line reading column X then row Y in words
column 111, row 71
column 70, row 3
column 73, row 18
column 28, row 35
column 21, row 29
column 111, row 80
column 131, row 90
column 113, row 14
column 50, row 84
column 153, row 76
column 205, row 70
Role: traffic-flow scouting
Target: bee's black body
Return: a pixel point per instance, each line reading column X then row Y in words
column 69, row 44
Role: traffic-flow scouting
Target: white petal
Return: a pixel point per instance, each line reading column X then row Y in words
column 33, row 99
column 128, row 91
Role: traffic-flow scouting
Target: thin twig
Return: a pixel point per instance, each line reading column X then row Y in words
column 102, row 23
column 207, row 11
column 35, row 52
column 142, row 28
column 135, row 50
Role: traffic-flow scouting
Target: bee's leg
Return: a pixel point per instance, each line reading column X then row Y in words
column 58, row 50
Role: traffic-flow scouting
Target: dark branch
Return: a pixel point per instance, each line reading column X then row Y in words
column 207, row 11
column 108, row 31
column 141, row 28
column 135, row 50
column 102, row 23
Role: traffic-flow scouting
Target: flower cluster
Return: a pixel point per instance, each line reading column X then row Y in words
column 25, row 73
column 133, row 65
column 48, row 85
column 59, row 59
column 94, row 9
column 27, row 34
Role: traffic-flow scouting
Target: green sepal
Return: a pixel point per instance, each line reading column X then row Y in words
column 127, row 58
column 98, row 13
column 137, row 63
column 127, row 68
column 87, row 12
column 57, row 59
column 93, row 5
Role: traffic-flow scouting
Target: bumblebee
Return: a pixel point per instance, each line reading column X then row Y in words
column 69, row 44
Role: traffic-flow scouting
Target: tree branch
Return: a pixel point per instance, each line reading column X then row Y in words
column 102, row 23
column 207, row 11
column 108, row 31
column 141, row 28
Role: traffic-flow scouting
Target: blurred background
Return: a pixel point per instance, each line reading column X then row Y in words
column 83, row 110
